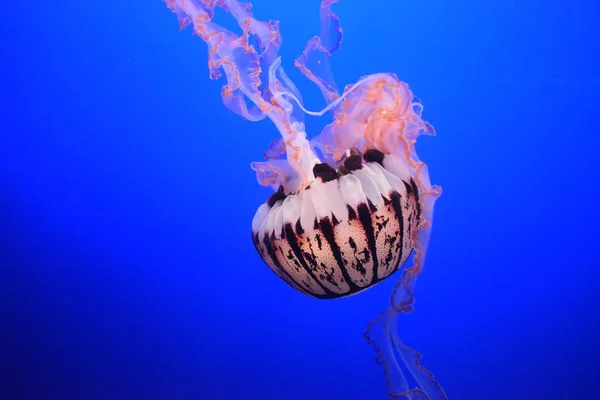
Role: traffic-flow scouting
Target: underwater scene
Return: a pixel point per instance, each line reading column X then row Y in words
column 300, row 200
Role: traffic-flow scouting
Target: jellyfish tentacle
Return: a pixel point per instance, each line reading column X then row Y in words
column 246, row 67
column 377, row 335
column 428, row 385
column 314, row 60
column 395, row 357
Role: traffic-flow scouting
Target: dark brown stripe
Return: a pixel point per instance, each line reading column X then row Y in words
column 351, row 212
column 395, row 197
column 364, row 216
column 275, row 197
column 334, row 220
column 409, row 188
column 416, row 191
column 291, row 238
column 327, row 229
column 282, row 272
column 372, row 207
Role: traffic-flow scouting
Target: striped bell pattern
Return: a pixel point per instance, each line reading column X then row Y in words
column 349, row 229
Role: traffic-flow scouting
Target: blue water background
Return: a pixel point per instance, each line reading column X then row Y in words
column 126, row 265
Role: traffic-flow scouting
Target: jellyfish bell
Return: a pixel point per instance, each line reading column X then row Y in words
column 340, row 223
column 348, row 230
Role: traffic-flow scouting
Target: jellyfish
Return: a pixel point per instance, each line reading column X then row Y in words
column 351, row 205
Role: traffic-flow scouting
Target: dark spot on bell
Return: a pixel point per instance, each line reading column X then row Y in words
column 325, row 171
column 275, row 197
column 319, row 242
column 343, row 170
column 354, row 162
column 373, row 155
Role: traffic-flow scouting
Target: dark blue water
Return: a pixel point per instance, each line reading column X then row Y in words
column 126, row 265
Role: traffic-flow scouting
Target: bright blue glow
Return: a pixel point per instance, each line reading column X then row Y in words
column 126, row 265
